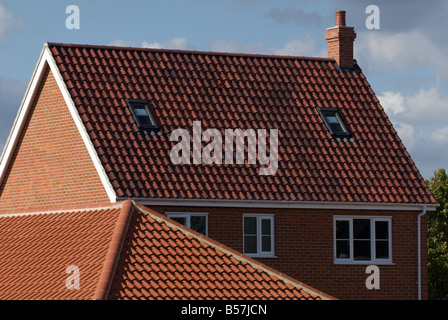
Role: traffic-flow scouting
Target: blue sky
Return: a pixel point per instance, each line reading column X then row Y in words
column 404, row 61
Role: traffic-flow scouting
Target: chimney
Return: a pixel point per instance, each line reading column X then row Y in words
column 340, row 40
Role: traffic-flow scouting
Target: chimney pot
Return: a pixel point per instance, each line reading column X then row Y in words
column 340, row 19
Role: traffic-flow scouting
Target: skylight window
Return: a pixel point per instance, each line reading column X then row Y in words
column 334, row 122
column 142, row 114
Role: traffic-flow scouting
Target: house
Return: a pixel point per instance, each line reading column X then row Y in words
column 124, row 251
column 101, row 124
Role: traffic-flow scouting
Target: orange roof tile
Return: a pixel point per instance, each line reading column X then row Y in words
column 127, row 251
column 231, row 91
column 37, row 248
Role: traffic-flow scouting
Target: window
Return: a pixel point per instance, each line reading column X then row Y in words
column 195, row 221
column 258, row 233
column 333, row 122
column 142, row 114
column 362, row 239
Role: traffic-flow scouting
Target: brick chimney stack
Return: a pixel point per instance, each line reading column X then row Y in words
column 340, row 40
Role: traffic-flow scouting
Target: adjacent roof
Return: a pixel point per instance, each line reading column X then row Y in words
column 36, row 248
column 237, row 91
column 127, row 251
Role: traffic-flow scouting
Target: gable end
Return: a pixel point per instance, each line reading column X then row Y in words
column 35, row 163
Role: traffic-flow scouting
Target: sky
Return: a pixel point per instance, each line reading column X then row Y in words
column 404, row 60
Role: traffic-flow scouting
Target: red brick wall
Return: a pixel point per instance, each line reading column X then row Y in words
column 304, row 250
column 51, row 165
column 340, row 45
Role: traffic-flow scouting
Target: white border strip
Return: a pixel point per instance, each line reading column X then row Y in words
column 59, row 211
column 19, row 121
column 282, row 204
column 46, row 58
column 82, row 130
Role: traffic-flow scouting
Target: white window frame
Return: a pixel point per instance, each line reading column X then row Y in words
column 188, row 216
column 373, row 260
column 260, row 253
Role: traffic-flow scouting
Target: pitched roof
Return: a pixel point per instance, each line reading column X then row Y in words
column 36, row 248
column 127, row 251
column 231, row 91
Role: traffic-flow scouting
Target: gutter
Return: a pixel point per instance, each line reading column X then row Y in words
column 278, row 204
column 419, row 253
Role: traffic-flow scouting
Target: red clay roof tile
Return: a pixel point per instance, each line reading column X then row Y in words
column 236, row 91
column 34, row 256
column 127, row 251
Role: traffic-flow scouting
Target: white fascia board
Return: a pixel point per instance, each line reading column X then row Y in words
column 46, row 58
column 22, row 114
column 322, row 205
column 81, row 128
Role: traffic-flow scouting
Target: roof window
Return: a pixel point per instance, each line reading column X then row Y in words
column 142, row 114
column 333, row 121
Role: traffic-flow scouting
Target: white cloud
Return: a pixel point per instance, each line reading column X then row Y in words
column 408, row 134
column 176, row 43
column 392, row 102
column 420, row 117
column 427, row 106
column 123, row 43
column 221, row 45
column 7, row 21
column 440, row 135
column 302, row 47
column 420, row 121
column 402, row 51
column 428, row 149
column 299, row 47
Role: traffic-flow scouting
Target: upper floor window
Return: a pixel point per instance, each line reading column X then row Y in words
column 258, row 233
column 333, row 121
column 359, row 239
column 142, row 114
column 195, row 221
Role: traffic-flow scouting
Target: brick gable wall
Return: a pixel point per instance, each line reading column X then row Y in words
column 304, row 250
column 51, row 165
